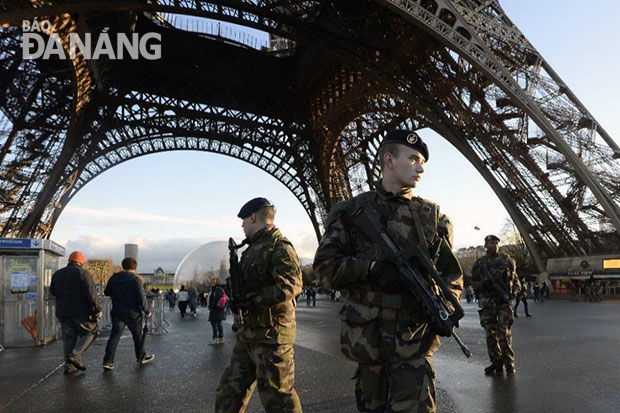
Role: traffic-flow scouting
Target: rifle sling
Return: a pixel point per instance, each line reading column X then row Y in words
column 420, row 238
column 496, row 284
column 417, row 239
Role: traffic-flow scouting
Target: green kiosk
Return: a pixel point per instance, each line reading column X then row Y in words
column 27, row 310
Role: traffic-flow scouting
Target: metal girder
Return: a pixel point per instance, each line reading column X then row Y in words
column 269, row 144
column 448, row 22
column 359, row 69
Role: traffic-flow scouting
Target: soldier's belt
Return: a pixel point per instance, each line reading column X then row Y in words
column 378, row 298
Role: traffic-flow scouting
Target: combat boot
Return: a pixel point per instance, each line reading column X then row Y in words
column 510, row 369
column 494, row 370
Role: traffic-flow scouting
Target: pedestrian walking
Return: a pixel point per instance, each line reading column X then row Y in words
column 192, row 299
column 218, row 301
column 384, row 328
column 171, row 297
column 536, row 292
column 469, row 293
column 183, row 299
column 77, row 309
column 128, row 303
column 263, row 354
column 522, row 297
column 544, row 292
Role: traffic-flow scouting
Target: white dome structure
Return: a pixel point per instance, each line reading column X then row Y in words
column 198, row 262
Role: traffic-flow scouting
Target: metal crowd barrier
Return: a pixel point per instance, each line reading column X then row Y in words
column 157, row 323
column 106, row 320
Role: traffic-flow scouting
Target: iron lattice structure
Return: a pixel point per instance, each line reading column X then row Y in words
column 310, row 110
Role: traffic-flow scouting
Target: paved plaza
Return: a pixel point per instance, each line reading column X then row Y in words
column 567, row 361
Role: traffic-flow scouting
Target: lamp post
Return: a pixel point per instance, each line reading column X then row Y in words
column 477, row 228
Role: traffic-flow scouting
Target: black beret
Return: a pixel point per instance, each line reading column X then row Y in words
column 491, row 238
column 252, row 206
column 407, row 138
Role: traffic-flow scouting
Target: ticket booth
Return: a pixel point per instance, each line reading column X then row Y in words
column 27, row 310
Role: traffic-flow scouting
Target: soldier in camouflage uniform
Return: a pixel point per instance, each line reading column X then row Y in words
column 384, row 329
column 263, row 352
column 496, row 315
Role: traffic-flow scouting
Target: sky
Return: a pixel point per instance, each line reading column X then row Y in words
column 173, row 202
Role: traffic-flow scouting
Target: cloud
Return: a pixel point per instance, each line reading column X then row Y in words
column 168, row 254
column 155, row 235
column 151, row 253
column 119, row 215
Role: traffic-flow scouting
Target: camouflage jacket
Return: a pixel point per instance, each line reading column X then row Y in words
column 379, row 326
column 503, row 268
column 271, row 278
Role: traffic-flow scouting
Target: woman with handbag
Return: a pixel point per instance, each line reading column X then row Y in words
column 218, row 300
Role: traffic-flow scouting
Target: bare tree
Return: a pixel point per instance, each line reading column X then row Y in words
column 514, row 246
column 101, row 269
column 223, row 271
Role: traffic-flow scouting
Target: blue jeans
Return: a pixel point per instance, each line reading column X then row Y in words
column 118, row 325
column 218, row 330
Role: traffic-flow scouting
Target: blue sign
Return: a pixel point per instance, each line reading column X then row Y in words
column 51, row 245
column 30, row 296
column 15, row 243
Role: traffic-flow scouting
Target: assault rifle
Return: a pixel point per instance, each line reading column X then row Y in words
column 442, row 307
column 236, row 285
column 503, row 294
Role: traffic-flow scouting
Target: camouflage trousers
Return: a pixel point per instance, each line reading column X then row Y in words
column 396, row 387
column 270, row 367
column 496, row 321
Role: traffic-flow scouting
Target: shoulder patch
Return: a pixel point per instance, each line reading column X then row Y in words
column 285, row 240
column 429, row 216
column 428, row 202
column 445, row 228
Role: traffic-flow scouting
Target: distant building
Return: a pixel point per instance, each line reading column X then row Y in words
column 158, row 277
column 605, row 269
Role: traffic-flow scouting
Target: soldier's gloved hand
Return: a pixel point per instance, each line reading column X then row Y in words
column 440, row 331
column 385, row 275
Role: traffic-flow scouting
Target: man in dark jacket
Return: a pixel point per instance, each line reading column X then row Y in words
column 77, row 309
column 128, row 303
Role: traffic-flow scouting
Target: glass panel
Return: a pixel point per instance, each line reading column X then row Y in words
column 20, row 300
column 51, row 329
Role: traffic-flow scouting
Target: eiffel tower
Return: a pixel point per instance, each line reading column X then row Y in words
column 309, row 108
